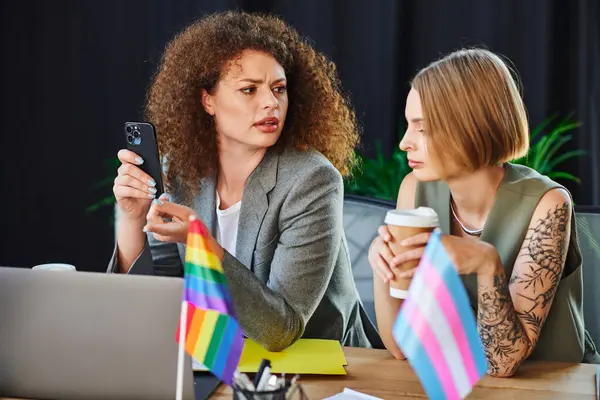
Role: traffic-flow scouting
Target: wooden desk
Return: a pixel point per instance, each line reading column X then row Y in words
column 377, row 373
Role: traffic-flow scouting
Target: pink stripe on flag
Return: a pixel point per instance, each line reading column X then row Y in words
column 437, row 286
column 420, row 325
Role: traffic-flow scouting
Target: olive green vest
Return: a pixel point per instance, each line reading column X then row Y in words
column 563, row 336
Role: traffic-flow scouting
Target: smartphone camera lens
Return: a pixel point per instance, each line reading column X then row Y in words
column 128, row 129
column 136, row 134
column 130, row 139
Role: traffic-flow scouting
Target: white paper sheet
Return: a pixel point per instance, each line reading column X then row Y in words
column 349, row 394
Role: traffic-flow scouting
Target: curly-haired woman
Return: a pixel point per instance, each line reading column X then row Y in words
column 256, row 136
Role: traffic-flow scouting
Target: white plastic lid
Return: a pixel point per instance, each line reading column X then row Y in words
column 54, row 267
column 422, row 217
column 398, row 293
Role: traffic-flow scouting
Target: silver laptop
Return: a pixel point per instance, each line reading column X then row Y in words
column 82, row 335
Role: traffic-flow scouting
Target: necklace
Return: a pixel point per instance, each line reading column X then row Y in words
column 472, row 232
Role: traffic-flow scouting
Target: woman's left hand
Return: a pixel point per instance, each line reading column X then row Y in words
column 175, row 230
column 468, row 255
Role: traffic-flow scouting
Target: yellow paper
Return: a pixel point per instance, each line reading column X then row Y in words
column 306, row 356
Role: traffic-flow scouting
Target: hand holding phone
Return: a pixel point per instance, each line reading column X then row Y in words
column 139, row 178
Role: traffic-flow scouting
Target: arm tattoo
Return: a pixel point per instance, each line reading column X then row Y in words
column 545, row 251
column 501, row 332
column 509, row 331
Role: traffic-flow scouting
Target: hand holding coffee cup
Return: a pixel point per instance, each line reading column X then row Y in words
column 403, row 224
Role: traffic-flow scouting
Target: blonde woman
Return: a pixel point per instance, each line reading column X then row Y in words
column 509, row 230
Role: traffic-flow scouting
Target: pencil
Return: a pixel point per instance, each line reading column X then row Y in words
column 597, row 382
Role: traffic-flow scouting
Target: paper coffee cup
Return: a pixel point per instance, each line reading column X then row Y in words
column 54, row 267
column 403, row 224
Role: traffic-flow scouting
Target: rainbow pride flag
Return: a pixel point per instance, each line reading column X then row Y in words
column 436, row 329
column 213, row 337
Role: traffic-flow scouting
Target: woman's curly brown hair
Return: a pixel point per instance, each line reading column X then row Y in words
column 319, row 116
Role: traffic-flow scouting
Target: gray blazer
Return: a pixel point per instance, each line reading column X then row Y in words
column 291, row 276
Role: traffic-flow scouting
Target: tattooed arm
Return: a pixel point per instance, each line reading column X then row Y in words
column 511, row 313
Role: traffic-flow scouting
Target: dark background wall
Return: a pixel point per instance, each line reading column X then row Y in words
column 72, row 72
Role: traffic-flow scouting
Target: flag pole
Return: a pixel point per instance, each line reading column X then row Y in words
column 181, row 351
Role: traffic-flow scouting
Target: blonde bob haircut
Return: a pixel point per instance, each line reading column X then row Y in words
column 473, row 111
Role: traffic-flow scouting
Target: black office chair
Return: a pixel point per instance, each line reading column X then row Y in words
column 362, row 217
column 588, row 230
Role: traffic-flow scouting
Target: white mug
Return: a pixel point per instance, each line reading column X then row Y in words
column 54, row 267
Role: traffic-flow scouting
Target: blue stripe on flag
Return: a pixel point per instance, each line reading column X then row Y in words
column 212, row 289
column 418, row 358
column 231, row 329
column 441, row 261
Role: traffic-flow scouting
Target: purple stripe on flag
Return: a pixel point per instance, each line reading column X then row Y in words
column 437, row 286
column 422, row 330
column 209, row 289
column 206, row 302
column 235, row 352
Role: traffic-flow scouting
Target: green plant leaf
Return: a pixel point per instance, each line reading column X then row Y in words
column 107, row 201
column 552, row 150
column 379, row 177
column 563, row 157
column 551, row 137
column 561, row 128
column 540, row 127
column 104, row 182
column 563, row 175
column 537, row 154
column 111, row 164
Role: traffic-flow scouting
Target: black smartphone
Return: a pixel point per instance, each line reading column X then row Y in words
column 141, row 139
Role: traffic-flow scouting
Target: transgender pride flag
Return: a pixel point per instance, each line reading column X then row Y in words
column 436, row 328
